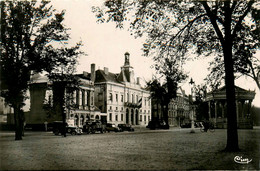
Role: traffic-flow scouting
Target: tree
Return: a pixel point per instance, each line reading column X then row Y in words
column 164, row 93
column 33, row 38
column 201, row 106
column 181, row 28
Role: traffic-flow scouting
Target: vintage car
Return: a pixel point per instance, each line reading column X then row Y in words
column 126, row 127
column 93, row 127
column 58, row 128
column 112, row 127
column 157, row 125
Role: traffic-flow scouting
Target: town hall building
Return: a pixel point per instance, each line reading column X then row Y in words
column 121, row 96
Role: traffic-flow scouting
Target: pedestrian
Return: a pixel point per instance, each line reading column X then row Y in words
column 46, row 126
column 206, row 125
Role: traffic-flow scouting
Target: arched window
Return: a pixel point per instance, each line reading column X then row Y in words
column 81, row 120
column 76, row 120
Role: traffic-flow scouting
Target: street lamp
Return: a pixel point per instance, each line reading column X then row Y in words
column 191, row 103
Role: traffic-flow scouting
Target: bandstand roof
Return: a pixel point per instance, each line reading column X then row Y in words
column 220, row 94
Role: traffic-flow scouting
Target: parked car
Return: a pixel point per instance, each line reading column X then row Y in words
column 126, row 127
column 58, row 128
column 93, row 127
column 157, row 125
column 112, row 127
column 186, row 125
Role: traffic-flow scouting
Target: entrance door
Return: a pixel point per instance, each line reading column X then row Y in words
column 136, row 117
column 132, row 116
column 127, row 116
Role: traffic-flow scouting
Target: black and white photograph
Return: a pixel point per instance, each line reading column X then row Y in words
column 130, row 85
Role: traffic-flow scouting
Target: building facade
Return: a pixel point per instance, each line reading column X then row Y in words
column 121, row 97
column 179, row 109
column 79, row 103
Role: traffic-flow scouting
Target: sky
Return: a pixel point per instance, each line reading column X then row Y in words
column 105, row 46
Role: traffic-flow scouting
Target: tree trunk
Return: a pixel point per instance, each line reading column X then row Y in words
column 58, row 102
column 232, row 137
column 18, row 121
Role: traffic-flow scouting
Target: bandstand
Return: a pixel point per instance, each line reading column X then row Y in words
column 217, row 107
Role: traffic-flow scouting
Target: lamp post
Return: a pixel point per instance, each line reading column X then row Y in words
column 191, row 103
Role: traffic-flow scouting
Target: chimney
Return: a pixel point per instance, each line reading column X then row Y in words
column 93, row 72
column 85, row 74
column 138, row 80
column 106, row 70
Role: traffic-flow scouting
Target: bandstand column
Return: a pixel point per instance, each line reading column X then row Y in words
column 222, row 109
column 209, row 110
column 237, row 112
column 216, row 105
column 242, row 112
column 249, row 107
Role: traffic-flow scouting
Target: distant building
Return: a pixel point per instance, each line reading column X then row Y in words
column 178, row 109
column 121, row 97
column 6, row 112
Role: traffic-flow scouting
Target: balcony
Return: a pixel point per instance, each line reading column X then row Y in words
column 133, row 105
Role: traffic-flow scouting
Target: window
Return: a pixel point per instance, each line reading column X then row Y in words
column 77, row 97
column 148, row 118
column 144, row 118
column 116, row 108
column 116, row 117
column 133, row 99
column 127, row 97
column 111, row 96
column 110, row 116
column 122, row 117
column 110, row 108
column 122, row 98
column 116, row 97
column 141, row 118
column 92, row 100
column 122, row 109
column 83, row 98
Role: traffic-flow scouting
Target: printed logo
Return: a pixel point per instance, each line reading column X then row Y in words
column 240, row 160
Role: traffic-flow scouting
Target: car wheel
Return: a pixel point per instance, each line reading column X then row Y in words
column 73, row 133
column 56, row 132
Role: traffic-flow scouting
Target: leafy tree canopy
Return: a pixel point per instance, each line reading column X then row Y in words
column 179, row 29
column 33, row 38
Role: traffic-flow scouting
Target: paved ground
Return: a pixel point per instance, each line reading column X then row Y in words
column 140, row 150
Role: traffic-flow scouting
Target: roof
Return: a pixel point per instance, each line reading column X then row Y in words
column 102, row 77
column 86, row 76
column 239, row 92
